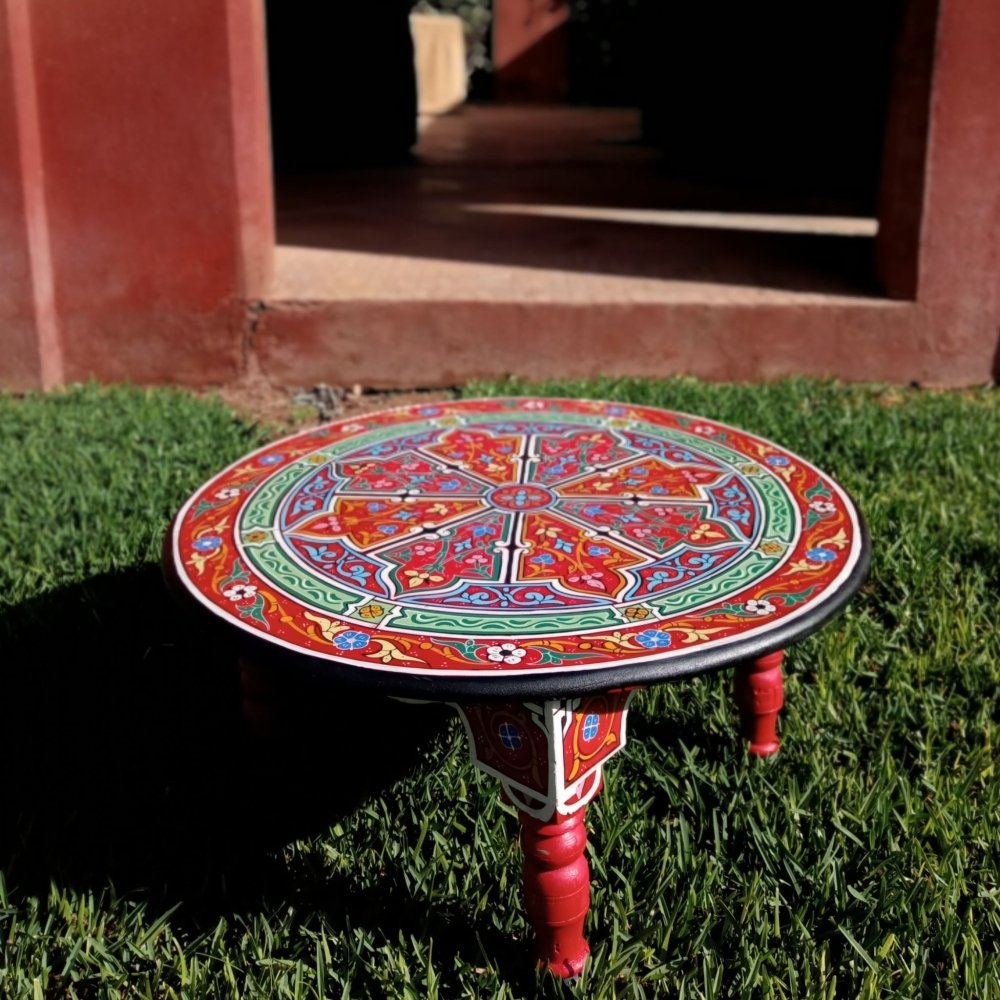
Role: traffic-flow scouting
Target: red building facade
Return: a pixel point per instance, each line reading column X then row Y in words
column 137, row 229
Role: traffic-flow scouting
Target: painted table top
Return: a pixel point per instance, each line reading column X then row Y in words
column 518, row 547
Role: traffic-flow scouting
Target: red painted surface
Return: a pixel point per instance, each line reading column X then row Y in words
column 905, row 151
column 759, row 690
column 548, row 755
column 959, row 261
column 397, row 344
column 557, row 889
column 30, row 353
column 154, row 193
column 530, row 50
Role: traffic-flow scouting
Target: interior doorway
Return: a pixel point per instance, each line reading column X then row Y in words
column 721, row 162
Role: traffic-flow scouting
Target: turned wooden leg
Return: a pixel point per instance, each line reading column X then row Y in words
column 760, row 694
column 557, row 889
column 549, row 757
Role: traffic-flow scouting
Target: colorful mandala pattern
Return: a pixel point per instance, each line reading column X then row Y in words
column 515, row 535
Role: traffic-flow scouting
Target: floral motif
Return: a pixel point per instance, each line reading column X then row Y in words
column 706, row 530
column 823, row 507
column 415, row 578
column 654, row 638
column 331, row 524
column 820, row 555
column 227, row 494
column 548, row 532
column 240, row 592
column 207, row 543
column 270, row 459
column 505, row 652
column 351, row 640
column 760, row 607
column 635, row 613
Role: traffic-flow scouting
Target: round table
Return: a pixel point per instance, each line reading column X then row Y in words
column 534, row 562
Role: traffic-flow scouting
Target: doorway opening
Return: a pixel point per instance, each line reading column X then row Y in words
column 685, row 160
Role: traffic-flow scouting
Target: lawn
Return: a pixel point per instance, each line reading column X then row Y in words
column 149, row 849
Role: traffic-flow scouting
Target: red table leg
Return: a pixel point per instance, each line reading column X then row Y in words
column 557, row 889
column 760, row 694
column 549, row 757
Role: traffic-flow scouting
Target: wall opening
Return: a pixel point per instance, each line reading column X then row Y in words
column 698, row 158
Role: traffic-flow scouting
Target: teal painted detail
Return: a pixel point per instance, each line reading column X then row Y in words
column 444, row 623
column 753, row 566
column 261, row 509
column 236, row 575
column 779, row 511
column 274, row 565
column 254, row 610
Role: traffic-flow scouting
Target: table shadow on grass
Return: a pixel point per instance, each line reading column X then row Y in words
column 127, row 763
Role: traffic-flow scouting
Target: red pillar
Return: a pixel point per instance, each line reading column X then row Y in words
column 136, row 187
column 530, row 39
column 30, row 351
column 959, row 265
column 939, row 226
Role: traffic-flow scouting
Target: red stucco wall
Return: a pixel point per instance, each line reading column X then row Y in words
column 151, row 123
column 136, row 229
column 30, row 354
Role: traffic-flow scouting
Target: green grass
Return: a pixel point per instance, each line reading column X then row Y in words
column 147, row 849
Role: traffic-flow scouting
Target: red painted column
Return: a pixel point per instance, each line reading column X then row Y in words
column 530, row 39
column 557, row 889
column 939, row 218
column 904, row 153
column 759, row 690
column 141, row 179
column 30, row 354
column 959, row 267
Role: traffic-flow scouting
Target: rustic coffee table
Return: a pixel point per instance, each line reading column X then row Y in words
column 534, row 562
